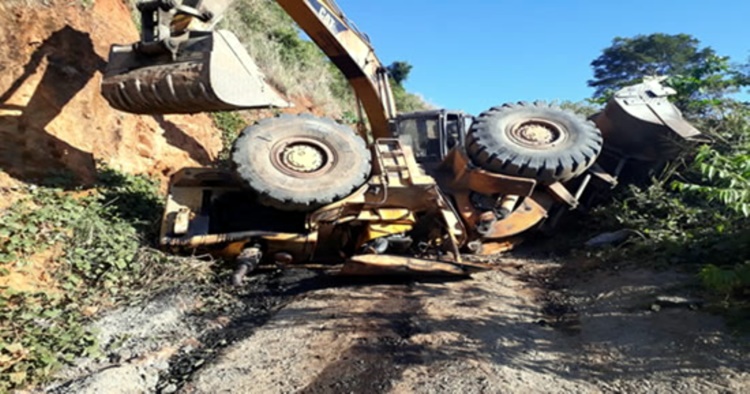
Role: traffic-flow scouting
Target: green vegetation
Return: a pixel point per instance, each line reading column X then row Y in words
column 405, row 101
column 399, row 71
column 696, row 215
column 628, row 60
column 64, row 256
column 298, row 67
column 582, row 108
column 293, row 65
column 230, row 124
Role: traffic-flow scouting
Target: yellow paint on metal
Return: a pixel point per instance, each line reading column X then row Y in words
column 377, row 230
column 179, row 23
column 387, row 214
column 232, row 250
column 386, row 221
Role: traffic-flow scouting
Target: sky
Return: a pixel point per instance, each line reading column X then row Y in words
column 473, row 54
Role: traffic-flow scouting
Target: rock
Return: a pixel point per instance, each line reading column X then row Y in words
column 607, row 239
column 127, row 378
column 678, row 302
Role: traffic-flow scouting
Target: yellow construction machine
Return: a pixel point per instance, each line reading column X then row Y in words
column 410, row 194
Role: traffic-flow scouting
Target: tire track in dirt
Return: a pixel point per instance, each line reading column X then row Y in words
column 532, row 325
column 377, row 358
column 256, row 303
column 344, row 335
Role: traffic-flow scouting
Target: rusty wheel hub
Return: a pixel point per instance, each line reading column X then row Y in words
column 536, row 133
column 302, row 157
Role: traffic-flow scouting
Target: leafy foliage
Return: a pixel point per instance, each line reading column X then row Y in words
column 230, row 124
column 726, row 179
column 627, row 60
column 405, row 101
column 721, row 171
column 399, row 71
column 702, row 87
column 701, row 215
column 582, row 108
column 91, row 246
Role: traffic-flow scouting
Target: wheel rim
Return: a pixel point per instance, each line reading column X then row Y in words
column 302, row 157
column 536, row 133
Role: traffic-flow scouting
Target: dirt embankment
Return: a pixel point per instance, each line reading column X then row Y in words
column 52, row 116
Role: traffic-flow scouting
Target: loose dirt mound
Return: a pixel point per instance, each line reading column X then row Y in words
column 52, row 116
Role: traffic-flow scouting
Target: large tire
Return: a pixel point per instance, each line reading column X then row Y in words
column 536, row 141
column 299, row 163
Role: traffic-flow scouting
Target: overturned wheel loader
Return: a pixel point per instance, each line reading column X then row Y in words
column 410, row 195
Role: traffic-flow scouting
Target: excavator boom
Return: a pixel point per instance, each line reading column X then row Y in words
column 351, row 52
column 179, row 68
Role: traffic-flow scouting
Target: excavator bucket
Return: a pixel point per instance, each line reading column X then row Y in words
column 209, row 71
column 640, row 123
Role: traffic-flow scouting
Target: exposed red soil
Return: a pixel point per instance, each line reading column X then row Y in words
column 52, row 116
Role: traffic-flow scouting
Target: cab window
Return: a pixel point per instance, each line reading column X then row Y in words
column 423, row 135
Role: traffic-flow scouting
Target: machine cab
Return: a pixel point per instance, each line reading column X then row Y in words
column 432, row 134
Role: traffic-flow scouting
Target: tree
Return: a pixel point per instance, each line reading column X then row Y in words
column 399, row 71
column 405, row 101
column 703, row 87
column 628, row 60
column 700, row 76
column 704, row 218
column 582, row 108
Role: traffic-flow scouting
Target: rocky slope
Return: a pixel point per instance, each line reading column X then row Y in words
column 52, row 116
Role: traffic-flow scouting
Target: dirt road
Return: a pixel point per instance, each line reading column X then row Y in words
column 526, row 327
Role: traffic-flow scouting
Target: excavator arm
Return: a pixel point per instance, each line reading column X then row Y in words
column 181, row 65
column 351, row 52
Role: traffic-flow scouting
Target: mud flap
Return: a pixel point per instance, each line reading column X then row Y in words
column 207, row 71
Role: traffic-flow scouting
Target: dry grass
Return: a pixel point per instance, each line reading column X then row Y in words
column 294, row 66
column 12, row 3
column 86, row 3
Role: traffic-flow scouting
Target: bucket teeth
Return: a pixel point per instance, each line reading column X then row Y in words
column 211, row 72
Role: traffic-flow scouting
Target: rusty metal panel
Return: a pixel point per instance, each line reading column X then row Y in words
column 466, row 176
column 530, row 213
column 639, row 122
column 561, row 193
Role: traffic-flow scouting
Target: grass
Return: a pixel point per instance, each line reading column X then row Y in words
column 65, row 256
column 230, row 124
column 685, row 232
column 296, row 67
